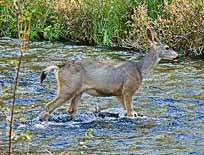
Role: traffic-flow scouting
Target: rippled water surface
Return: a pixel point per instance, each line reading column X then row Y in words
column 170, row 105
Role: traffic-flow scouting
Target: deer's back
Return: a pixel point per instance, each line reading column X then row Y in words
column 109, row 78
column 105, row 78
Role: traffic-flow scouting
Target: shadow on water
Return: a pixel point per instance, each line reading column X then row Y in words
column 170, row 104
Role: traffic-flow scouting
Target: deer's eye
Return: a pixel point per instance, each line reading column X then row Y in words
column 167, row 48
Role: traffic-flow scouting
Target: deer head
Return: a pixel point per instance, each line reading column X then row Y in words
column 163, row 51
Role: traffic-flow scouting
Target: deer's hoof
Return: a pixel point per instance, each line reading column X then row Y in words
column 71, row 111
column 133, row 114
column 44, row 116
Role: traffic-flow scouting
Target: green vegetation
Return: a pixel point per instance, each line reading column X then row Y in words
column 179, row 23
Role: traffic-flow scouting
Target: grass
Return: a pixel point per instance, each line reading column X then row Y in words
column 179, row 23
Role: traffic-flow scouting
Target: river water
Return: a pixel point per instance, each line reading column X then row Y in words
column 170, row 106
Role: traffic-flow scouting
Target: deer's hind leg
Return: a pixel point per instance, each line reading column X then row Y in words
column 52, row 105
column 73, row 106
column 64, row 95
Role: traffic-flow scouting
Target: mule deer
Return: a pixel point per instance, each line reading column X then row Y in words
column 104, row 78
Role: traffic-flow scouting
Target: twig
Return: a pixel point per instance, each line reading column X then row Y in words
column 13, row 103
column 23, row 26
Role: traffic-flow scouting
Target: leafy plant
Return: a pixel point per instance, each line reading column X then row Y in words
column 112, row 22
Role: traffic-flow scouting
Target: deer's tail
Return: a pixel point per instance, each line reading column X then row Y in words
column 46, row 71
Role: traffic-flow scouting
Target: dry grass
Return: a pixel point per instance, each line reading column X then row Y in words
column 137, row 35
column 179, row 23
column 183, row 25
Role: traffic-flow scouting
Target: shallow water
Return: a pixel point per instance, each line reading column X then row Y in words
column 170, row 104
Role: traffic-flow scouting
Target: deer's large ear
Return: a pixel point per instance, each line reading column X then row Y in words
column 150, row 35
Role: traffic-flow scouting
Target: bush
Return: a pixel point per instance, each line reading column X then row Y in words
column 179, row 23
column 95, row 22
column 46, row 22
column 8, row 22
column 183, row 25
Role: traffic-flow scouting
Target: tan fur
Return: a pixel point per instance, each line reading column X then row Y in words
column 105, row 78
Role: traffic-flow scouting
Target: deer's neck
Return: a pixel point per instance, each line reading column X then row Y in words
column 149, row 62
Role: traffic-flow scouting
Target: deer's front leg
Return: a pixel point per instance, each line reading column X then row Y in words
column 121, row 100
column 129, row 105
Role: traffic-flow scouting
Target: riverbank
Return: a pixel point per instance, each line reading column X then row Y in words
column 122, row 23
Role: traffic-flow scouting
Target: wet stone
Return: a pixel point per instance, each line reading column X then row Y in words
column 107, row 114
column 60, row 117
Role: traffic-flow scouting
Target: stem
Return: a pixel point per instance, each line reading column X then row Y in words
column 13, row 103
column 23, row 24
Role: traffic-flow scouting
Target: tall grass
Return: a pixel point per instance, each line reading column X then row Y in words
column 95, row 22
column 46, row 22
column 8, row 26
column 113, row 22
column 108, row 21
column 155, row 8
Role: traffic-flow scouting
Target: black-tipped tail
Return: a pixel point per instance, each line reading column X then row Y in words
column 42, row 76
column 46, row 71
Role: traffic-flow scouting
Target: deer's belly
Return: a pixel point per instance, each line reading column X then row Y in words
column 101, row 93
